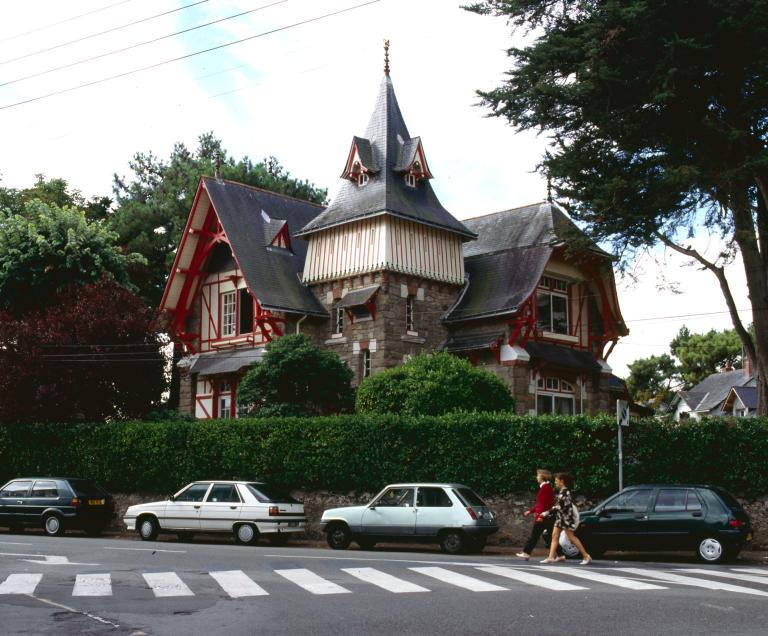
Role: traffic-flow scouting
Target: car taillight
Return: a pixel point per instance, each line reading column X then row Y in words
column 736, row 523
column 75, row 502
column 274, row 511
column 471, row 513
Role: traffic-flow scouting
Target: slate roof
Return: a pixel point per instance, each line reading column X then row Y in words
column 471, row 341
column 747, row 395
column 386, row 191
column 358, row 297
column 504, row 265
column 273, row 275
column 709, row 394
column 562, row 356
column 225, row 361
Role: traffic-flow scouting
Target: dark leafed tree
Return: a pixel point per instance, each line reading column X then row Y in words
column 651, row 380
column 658, row 115
column 153, row 204
column 90, row 354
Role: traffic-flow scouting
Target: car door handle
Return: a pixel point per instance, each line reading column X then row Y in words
column 197, row 507
column 19, row 502
column 233, row 507
column 642, row 517
column 696, row 514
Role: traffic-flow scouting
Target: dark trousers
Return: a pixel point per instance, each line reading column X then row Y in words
column 542, row 527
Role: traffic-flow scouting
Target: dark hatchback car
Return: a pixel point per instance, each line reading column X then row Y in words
column 660, row 517
column 55, row 504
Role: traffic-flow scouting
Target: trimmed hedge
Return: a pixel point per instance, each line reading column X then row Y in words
column 495, row 453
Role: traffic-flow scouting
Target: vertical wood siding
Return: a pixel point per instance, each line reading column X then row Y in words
column 384, row 243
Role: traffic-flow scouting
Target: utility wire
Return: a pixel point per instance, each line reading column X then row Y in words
column 189, row 55
column 93, row 35
column 140, row 44
column 75, row 17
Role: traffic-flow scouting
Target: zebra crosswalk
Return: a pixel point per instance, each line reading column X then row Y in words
column 239, row 584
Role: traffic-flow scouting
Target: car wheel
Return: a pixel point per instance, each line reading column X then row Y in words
column 279, row 539
column 148, row 528
column 185, row 536
column 711, row 550
column 53, row 525
column 366, row 544
column 246, row 534
column 453, row 542
column 338, row 536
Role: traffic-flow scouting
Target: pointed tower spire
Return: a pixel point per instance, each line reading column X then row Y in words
column 386, row 58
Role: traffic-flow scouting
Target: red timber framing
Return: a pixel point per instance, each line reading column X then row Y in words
column 610, row 334
column 209, row 235
column 524, row 325
column 282, row 238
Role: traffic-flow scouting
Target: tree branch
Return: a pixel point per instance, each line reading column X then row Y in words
column 719, row 273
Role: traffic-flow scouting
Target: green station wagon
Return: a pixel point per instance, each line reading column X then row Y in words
column 660, row 517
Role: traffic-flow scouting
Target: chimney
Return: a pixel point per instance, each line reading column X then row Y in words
column 748, row 368
column 728, row 366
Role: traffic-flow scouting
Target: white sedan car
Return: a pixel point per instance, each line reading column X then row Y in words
column 247, row 509
column 449, row 514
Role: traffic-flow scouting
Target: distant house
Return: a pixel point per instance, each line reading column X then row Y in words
column 722, row 393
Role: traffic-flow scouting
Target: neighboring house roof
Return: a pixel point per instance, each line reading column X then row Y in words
column 225, row 361
column 506, row 262
column 747, row 395
column 251, row 217
column 386, row 191
column 709, row 395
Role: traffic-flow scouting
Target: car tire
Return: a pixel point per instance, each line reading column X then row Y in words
column 366, row 544
column 338, row 536
column 711, row 550
column 185, row 536
column 453, row 542
column 53, row 525
column 279, row 539
column 246, row 534
column 148, row 528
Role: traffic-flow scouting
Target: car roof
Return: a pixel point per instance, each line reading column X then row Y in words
column 413, row 484
column 667, row 485
column 49, row 478
column 229, row 481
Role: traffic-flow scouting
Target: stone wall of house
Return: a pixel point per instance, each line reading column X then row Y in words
column 513, row 526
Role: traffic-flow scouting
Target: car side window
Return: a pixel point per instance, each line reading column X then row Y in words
column 45, row 489
column 630, row 501
column 396, row 497
column 195, row 492
column 693, row 503
column 223, row 493
column 433, row 498
column 670, row 500
column 16, row 489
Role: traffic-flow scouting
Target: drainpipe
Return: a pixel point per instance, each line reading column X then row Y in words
column 298, row 323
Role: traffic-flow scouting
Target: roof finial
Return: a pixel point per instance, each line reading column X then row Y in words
column 386, row 57
column 549, row 189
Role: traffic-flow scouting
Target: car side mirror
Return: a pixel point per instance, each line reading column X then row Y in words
column 372, row 507
column 603, row 513
column 171, row 497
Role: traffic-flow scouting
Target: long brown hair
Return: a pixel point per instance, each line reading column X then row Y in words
column 566, row 478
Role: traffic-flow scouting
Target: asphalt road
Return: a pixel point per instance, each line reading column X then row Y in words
column 78, row 585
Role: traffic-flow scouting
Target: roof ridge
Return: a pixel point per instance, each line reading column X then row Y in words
column 520, row 207
column 252, row 187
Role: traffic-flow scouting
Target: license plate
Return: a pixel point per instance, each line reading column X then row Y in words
column 95, row 502
column 293, row 524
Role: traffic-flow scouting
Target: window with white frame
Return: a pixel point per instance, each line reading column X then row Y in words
column 410, row 180
column 228, row 306
column 362, row 179
column 366, row 362
column 410, row 322
column 338, row 320
column 552, row 305
column 225, row 399
column 554, row 396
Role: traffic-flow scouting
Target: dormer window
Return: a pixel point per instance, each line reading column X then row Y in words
column 362, row 179
column 411, row 180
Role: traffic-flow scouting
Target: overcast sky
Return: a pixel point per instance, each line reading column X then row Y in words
column 299, row 93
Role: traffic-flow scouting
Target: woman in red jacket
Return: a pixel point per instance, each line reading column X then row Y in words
column 545, row 499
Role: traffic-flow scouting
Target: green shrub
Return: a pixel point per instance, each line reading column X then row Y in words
column 495, row 453
column 433, row 385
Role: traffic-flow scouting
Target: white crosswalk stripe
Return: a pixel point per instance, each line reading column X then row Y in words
column 530, row 578
column 165, row 584
column 384, row 580
column 747, row 578
column 311, row 582
column 459, row 580
column 238, row 584
column 92, row 585
column 755, row 571
column 20, row 584
column 693, row 582
column 609, row 579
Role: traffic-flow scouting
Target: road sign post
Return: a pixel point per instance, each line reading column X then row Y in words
column 622, row 420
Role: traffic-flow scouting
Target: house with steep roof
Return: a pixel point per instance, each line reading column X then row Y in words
column 727, row 392
column 385, row 272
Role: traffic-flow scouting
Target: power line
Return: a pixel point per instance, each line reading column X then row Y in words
column 93, row 35
column 140, row 44
column 189, row 55
column 75, row 17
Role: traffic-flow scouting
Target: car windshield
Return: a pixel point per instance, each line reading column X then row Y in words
column 86, row 488
column 468, row 497
column 271, row 494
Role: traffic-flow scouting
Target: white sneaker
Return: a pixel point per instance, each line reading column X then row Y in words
column 523, row 555
column 586, row 561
